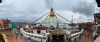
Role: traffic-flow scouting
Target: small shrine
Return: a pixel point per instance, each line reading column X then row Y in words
column 39, row 29
column 57, row 35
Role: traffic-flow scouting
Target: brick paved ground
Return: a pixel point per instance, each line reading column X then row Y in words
column 12, row 37
column 87, row 38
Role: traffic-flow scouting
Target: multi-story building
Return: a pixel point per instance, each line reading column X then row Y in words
column 21, row 24
column 97, row 21
column 7, row 23
column 1, row 23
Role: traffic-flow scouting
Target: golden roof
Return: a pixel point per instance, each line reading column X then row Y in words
column 57, row 31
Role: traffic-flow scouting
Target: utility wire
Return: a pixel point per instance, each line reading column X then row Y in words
column 45, row 18
column 57, row 19
column 62, row 17
column 40, row 17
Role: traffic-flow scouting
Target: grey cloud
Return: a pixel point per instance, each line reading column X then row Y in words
column 49, row 3
column 36, row 8
column 78, row 6
column 85, row 8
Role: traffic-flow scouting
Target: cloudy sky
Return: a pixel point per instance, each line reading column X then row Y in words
column 30, row 10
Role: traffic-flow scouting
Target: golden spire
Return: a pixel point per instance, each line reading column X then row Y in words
column 52, row 12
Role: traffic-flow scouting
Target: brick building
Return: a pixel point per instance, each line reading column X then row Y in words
column 1, row 23
column 97, row 21
column 7, row 23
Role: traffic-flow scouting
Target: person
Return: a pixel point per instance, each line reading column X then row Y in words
column 41, row 39
column 29, row 39
column 16, row 34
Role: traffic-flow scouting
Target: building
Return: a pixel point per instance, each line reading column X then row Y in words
column 20, row 24
column 97, row 21
column 51, row 19
column 39, row 29
column 1, row 23
column 7, row 23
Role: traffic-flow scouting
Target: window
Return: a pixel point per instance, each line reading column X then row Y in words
column 98, row 30
column 39, row 37
column 98, row 20
column 44, row 38
column 35, row 36
column 38, row 31
column 32, row 36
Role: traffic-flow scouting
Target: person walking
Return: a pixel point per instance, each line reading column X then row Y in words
column 16, row 35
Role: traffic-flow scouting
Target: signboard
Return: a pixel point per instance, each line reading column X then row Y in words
column 14, row 25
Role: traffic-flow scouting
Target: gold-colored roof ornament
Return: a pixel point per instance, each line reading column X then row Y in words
column 52, row 12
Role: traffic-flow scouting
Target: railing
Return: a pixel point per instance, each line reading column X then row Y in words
column 36, row 37
column 76, row 35
column 39, row 37
column 5, row 38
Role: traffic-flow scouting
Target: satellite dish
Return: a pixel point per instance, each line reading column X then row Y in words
column 98, row 3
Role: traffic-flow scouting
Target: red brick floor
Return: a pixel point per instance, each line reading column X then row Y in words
column 13, row 37
column 88, row 37
column 87, row 40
